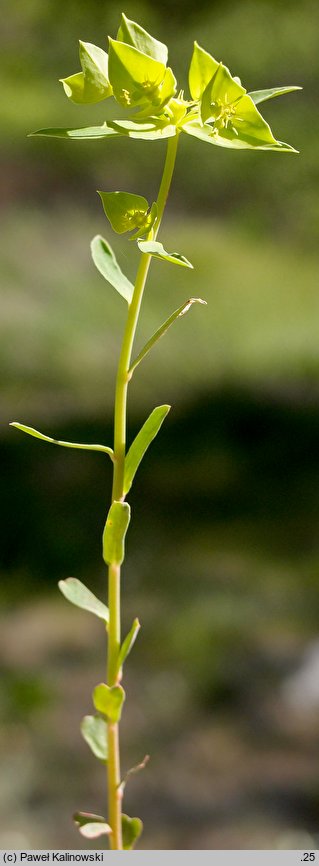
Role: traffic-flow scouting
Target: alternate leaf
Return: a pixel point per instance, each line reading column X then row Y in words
column 127, row 211
column 92, row 84
column 114, row 533
column 162, row 330
column 141, row 443
column 156, row 249
column 109, row 701
column 128, row 643
column 37, row 435
column 131, row 830
column 133, row 34
column 105, row 261
column 94, row 732
column 91, row 826
column 77, row 593
column 135, row 77
column 85, row 133
column 133, row 771
column 262, row 95
column 202, row 68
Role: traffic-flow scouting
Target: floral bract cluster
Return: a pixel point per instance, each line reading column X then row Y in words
column 135, row 73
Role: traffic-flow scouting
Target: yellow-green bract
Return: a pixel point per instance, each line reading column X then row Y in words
column 135, row 72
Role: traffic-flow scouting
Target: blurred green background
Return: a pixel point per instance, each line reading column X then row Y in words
column 223, row 549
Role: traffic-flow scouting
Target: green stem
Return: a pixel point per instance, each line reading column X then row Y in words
column 122, row 381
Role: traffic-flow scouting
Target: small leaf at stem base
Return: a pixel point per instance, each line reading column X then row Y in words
column 131, row 830
column 91, row 826
column 94, row 732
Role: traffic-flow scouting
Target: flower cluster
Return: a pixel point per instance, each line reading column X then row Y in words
column 135, row 72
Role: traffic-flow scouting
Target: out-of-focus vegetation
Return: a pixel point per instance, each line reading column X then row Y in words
column 223, row 549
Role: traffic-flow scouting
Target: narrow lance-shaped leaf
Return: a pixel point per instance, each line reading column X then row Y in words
column 207, row 133
column 133, row 34
column 131, row 830
column 83, row 134
column 133, row 771
column 92, row 84
column 262, row 95
column 141, row 443
column 128, row 643
column 37, row 435
column 149, row 130
column 94, row 732
column 156, row 249
column 105, row 261
column 91, row 826
column 114, row 533
column 109, row 701
column 162, row 330
column 77, row 593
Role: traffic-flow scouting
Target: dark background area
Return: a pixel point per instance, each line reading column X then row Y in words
column 223, row 549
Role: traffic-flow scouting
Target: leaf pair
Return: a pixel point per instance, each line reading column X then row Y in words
column 93, row 826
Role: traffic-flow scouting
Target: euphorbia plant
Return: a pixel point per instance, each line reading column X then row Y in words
column 219, row 112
